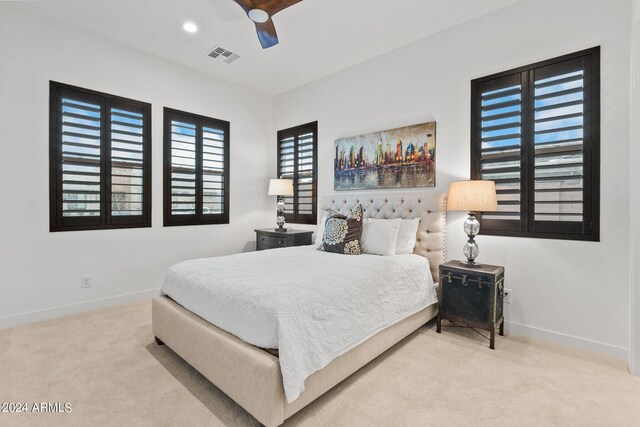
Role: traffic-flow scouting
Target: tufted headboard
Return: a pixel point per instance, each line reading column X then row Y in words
column 430, row 207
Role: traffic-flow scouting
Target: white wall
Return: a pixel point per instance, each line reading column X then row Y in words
column 634, row 178
column 40, row 271
column 567, row 291
column 572, row 292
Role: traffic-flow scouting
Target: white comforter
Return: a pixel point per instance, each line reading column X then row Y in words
column 313, row 306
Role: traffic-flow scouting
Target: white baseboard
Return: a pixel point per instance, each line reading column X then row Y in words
column 521, row 330
column 65, row 310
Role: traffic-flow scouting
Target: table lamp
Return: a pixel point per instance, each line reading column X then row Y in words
column 281, row 188
column 472, row 196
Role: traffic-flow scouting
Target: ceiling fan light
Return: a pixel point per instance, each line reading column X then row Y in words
column 258, row 15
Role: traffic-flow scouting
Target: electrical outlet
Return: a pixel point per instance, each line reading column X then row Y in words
column 85, row 282
column 507, row 296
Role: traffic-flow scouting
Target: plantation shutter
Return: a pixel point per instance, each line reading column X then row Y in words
column 213, row 169
column 128, row 157
column 196, row 169
column 81, row 158
column 99, row 160
column 297, row 160
column 561, row 150
column 500, row 136
column 183, row 167
column 286, row 166
column 305, row 183
column 535, row 132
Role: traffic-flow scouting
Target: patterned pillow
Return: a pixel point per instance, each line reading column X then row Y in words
column 342, row 233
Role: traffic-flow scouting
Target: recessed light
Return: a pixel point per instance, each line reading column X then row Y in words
column 190, row 27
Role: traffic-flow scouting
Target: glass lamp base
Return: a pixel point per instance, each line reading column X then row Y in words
column 471, row 229
column 280, row 215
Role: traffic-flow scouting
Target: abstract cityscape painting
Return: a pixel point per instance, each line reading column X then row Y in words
column 396, row 158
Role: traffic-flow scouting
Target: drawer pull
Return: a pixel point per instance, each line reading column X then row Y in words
column 280, row 242
column 464, row 280
column 450, row 276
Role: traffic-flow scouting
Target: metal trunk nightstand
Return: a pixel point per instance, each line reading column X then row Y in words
column 472, row 296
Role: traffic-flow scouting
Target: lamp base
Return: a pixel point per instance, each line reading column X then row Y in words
column 471, row 229
column 280, row 215
column 281, row 229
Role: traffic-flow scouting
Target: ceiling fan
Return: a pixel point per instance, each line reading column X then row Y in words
column 260, row 12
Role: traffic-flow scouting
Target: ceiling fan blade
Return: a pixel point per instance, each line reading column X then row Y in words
column 274, row 6
column 267, row 34
column 246, row 5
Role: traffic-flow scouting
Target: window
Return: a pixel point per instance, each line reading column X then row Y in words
column 100, row 160
column 536, row 133
column 196, row 169
column 298, row 160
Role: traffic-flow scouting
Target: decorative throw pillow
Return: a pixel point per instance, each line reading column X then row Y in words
column 342, row 234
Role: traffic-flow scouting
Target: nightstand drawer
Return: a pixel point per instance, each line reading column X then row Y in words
column 270, row 242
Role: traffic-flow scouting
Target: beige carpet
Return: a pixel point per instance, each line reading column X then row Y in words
column 106, row 365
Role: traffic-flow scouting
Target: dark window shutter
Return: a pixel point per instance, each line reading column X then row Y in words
column 81, row 155
column 536, row 133
column 196, row 169
column 559, row 147
column 499, row 126
column 286, row 170
column 183, row 167
column 129, row 156
column 99, row 160
column 297, row 160
column 214, row 168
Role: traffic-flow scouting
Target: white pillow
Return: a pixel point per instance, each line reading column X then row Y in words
column 320, row 231
column 380, row 237
column 406, row 236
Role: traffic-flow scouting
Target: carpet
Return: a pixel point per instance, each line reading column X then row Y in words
column 105, row 365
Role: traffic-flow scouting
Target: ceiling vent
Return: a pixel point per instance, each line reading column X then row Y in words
column 223, row 55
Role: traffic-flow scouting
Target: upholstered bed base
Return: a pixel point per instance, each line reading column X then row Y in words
column 250, row 375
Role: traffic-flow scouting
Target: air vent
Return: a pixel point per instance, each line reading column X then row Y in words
column 223, row 55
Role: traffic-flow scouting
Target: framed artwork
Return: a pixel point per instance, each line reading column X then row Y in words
column 396, row 158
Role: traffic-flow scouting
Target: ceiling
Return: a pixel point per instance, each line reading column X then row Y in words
column 317, row 37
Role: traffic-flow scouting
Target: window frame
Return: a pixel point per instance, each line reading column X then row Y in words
column 294, row 132
column 590, row 225
column 105, row 221
column 198, row 218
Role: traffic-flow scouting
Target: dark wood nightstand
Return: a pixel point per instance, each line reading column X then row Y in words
column 269, row 238
column 472, row 296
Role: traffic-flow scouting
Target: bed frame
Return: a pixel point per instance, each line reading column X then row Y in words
column 251, row 376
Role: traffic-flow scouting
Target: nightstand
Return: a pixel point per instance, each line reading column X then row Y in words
column 268, row 238
column 472, row 296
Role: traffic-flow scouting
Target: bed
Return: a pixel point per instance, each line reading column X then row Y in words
column 236, row 353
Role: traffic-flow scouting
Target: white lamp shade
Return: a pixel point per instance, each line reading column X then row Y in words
column 281, row 187
column 472, row 196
